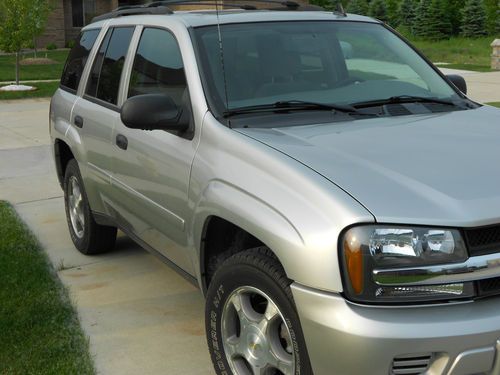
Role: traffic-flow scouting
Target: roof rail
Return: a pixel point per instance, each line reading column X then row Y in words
column 288, row 4
column 162, row 7
column 133, row 10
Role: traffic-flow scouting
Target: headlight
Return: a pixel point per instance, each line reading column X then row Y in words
column 365, row 250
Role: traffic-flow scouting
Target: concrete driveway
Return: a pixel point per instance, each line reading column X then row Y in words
column 141, row 317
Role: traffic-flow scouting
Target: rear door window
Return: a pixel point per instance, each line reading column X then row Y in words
column 104, row 80
column 77, row 59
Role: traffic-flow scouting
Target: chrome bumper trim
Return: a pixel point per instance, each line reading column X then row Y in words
column 475, row 268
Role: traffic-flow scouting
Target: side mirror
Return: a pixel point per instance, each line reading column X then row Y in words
column 153, row 111
column 459, row 82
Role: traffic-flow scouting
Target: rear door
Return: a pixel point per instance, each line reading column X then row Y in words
column 96, row 113
column 64, row 99
column 151, row 171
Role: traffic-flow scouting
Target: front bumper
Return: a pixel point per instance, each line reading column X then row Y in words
column 347, row 339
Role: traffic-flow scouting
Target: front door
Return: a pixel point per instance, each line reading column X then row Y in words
column 151, row 169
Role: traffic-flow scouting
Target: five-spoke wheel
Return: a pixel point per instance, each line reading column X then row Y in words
column 88, row 236
column 251, row 321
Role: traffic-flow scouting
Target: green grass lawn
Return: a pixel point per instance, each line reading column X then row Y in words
column 33, row 72
column 494, row 104
column 39, row 329
column 461, row 53
column 44, row 90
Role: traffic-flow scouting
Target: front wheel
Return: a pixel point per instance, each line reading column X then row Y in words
column 251, row 322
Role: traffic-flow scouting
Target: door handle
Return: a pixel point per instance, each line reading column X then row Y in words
column 122, row 141
column 78, row 121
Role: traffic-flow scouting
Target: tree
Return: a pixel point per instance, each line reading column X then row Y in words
column 422, row 18
column 15, row 31
column 378, row 10
column 358, row 7
column 473, row 19
column 492, row 8
column 392, row 7
column 407, row 15
column 439, row 26
column 432, row 20
column 327, row 4
column 497, row 30
column 38, row 13
column 454, row 9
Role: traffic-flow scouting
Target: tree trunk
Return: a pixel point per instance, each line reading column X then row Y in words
column 17, row 68
column 34, row 46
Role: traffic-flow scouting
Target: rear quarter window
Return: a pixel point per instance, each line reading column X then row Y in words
column 77, row 59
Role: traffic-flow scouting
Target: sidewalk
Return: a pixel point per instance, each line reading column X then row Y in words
column 21, row 82
column 141, row 317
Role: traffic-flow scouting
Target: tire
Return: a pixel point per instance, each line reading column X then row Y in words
column 251, row 320
column 87, row 236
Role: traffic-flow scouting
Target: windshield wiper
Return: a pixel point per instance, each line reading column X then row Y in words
column 402, row 99
column 293, row 105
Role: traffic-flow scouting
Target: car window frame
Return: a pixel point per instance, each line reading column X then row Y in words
column 114, row 107
column 136, row 47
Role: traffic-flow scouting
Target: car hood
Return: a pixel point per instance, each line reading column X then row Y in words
column 434, row 169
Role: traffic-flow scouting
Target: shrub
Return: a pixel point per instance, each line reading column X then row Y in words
column 51, row 46
column 70, row 44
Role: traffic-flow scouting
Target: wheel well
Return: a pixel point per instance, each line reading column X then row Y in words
column 222, row 239
column 63, row 155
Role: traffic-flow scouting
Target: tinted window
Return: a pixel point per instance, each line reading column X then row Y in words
column 158, row 66
column 77, row 59
column 104, row 80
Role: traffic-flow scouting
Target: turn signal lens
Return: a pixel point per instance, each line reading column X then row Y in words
column 354, row 262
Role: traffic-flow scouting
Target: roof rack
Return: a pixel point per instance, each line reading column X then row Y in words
column 133, row 10
column 162, row 7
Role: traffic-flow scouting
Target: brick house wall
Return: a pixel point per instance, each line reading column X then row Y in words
column 54, row 31
column 60, row 29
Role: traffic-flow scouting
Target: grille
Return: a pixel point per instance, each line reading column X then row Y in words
column 485, row 240
column 413, row 364
column 488, row 287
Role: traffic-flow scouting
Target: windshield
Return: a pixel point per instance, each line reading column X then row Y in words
column 322, row 62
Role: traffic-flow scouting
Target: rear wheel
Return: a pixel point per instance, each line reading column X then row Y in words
column 251, row 321
column 87, row 236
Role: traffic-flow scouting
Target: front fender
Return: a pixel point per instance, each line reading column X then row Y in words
column 309, row 258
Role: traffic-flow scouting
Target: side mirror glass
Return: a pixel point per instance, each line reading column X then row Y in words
column 153, row 111
column 458, row 81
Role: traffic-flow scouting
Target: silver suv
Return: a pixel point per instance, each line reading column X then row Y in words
column 334, row 196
